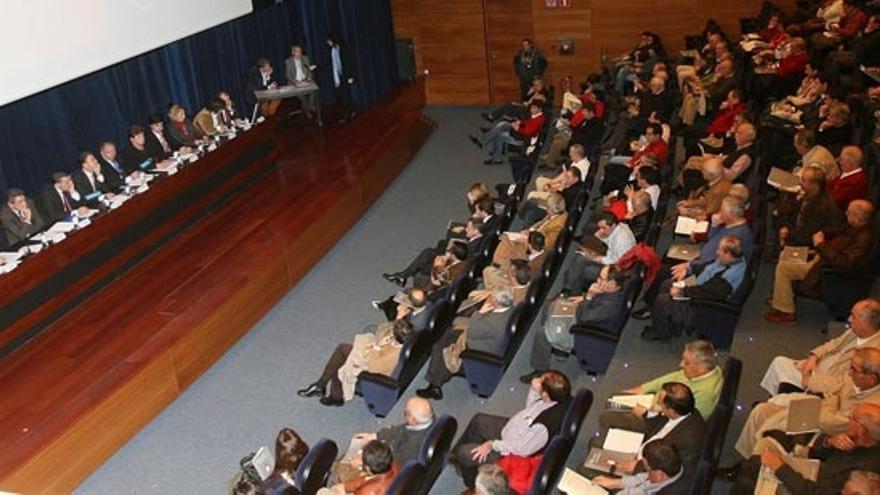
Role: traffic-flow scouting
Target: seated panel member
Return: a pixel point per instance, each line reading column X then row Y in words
column 181, row 130
column 208, row 120
column 19, row 217
column 157, row 142
column 89, row 180
column 299, row 70
column 112, row 170
column 137, row 153
column 488, row 437
column 374, row 351
column 259, row 78
column 60, row 199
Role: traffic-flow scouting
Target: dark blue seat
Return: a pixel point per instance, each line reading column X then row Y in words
column 381, row 392
column 408, row 480
column 484, row 370
column 577, row 411
column 701, row 484
column 315, row 467
column 551, row 465
column 841, row 289
column 732, row 373
column 435, row 450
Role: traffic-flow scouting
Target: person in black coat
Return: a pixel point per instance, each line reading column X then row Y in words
column 528, row 63
column 259, row 78
column 89, row 180
column 60, row 199
column 111, row 167
column 342, row 75
column 158, row 144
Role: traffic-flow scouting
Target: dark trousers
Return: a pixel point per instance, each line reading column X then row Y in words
column 482, row 427
column 580, row 274
column 541, row 350
column 669, row 317
column 438, row 373
column 342, row 94
column 510, row 110
column 331, row 370
column 745, row 482
column 663, row 275
column 616, row 177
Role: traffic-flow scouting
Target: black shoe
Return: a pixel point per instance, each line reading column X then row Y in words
column 313, row 390
column 475, row 140
column 527, row 378
column 649, row 335
column 485, row 129
column 396, row 278
column 430, row 392
column 330, row 401
column 487, row 117
column 492, row 162
column 642, row 314
column 728, row 473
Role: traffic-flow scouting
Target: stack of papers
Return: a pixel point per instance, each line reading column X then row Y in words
column 572, row 483
column 631, row 401
column 13, row 257
column 623, row 441
column 687, row 226
column 61, row 227
column 8, row 267
column 783, row 180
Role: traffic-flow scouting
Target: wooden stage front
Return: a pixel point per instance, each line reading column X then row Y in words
column 90, row 381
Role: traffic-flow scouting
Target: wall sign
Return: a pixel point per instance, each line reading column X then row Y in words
column 553, row 4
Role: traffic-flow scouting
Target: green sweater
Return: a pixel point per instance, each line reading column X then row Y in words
column 706, row 388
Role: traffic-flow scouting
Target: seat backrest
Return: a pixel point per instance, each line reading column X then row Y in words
column 409, row 480
column 417, row 339
column 441, row 316
column 551, row 466
column 577, row 411
column 535, row 289
column 732, row 372
column 518, row 323
column 314, row 469
column 716, row 431
column 701, row 483
column 435, row 448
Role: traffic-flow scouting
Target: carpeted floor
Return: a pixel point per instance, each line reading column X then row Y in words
column 195, row 445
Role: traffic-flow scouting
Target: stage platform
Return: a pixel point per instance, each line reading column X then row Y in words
column 115, row 357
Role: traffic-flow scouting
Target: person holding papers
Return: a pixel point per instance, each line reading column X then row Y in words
column 299, row 72
column 717, row 281
column 514, row 245
column 847, row 249
column 860, row 385
column 729, row 221
column 698, row 369
column 815, row 210
column 19, row 217
column 663, row 473
column 856, row 448
column 706, row 201
column 61, row 199
column 616, row 237
column 823, row 371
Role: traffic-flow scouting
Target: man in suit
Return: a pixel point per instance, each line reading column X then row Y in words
column 19, row 217
column 514, row 245
column 599, row 307
column 259, row 78
column 300, row 72
column 60, row 199
column 89, row 179
column 585, row 266
column 157, row 142
column 484, row 331
column 494, row 276
column 815, row 210
column 823, row 370
column 861, row 385
column 849, row 249
column 528, row 63
column 706, row 203
column 111, row 168
column 342, row 75
column 138, row 155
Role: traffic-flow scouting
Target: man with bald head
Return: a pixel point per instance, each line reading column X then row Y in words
column 404, row 439
column 847, row 249
column 823, row 371
column 853, row 181
column 707, row 202
column 860, row 386
column 857, row 448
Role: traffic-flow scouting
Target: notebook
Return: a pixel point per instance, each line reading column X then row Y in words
column 794, row 254
column 606, row 461
column 687, row 226
column 803, row 415
column 783, row 180
column 683, row 252
column 572, row 483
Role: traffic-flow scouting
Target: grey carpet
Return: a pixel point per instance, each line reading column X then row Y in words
column 194, row 446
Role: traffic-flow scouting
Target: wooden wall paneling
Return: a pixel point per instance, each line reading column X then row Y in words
column 574, row 22
column 407, row 24
column 507, row 23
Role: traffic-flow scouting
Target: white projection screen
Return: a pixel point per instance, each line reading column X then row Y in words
column 44, row 43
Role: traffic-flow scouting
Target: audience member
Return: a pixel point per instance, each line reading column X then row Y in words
column 663, row 472
column 378, row 470
column 705, row 201
column 815, row 211
column 852, row 183
column 290, row 450
column 491, row 480
column 513, row 133
column 616, row 237
column 514, row 245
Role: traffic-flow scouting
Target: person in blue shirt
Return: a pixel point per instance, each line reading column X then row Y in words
column 342, row 76
column 716, row 281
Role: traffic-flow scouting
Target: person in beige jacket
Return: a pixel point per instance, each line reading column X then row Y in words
column 514, row 245
column 823, row 371
column 861, row 385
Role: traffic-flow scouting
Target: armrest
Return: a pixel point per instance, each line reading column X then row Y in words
column 716, row 305
column 383, row 380
column 472, row 354
column 594, row 332
column 836, row 272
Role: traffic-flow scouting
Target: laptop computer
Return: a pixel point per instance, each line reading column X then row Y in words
column 683, row 252
column 795, row 254
column 803, row 415
column 563, row 307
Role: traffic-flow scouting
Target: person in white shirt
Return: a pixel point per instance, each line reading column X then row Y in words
column 578, row 161
column 663, row 467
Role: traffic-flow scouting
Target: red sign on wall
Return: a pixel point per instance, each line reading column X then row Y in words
column 552, row 4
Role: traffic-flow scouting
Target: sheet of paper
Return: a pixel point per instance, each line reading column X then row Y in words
column 644, row 400
column 11, row 257
column 687, row 225
column 61, row 227
column 88, row 214
column 573, row 483
column 8, row 267
column 624, row 441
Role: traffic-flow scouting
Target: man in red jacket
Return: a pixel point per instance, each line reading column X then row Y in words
column 853, row 181
column 515, row 133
